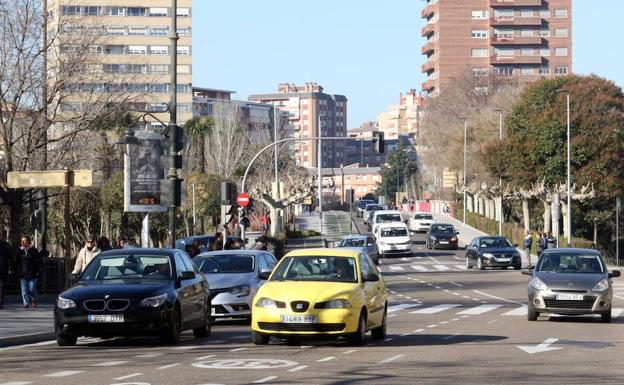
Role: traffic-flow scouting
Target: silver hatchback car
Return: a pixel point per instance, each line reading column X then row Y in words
column 570, row 282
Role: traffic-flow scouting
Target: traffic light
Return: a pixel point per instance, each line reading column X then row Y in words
column 379, row 142
column 176, row 136
column 226, row 193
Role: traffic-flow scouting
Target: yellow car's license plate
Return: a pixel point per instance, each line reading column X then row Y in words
column 299, row 319
column 106, row 318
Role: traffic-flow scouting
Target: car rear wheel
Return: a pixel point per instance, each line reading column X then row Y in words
column 171, row 334
column 532, row 314
column 359, row 337
column 204, row 330
column 379, row 333
column 259, row 339
column 468, row 265
column 517, row 267
column 606, row 316
column 66, row 340
column 480, row 264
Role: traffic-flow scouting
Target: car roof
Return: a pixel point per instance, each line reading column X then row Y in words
column 572, row 250
column 231, row 251
column 392, row 224
column 141, row 251
column 325, row 252
column 442, row 224
column 355, row 236
column 379, row 212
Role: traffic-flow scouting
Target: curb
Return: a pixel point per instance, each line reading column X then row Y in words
column 23, row 339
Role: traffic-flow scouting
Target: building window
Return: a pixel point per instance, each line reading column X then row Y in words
column 158, row 107
column 91, row 11
column 479, row 52
column 507, row 52
column 184, row 50
column 184, row 31
column 158, row 11
column 561, row 51
column 184, row 69
column 544, row 33
column 70, row 10
column 159, row 50
column 116, row 30
column 505, row 71
column 544, row 13
column 561, row 13
column 137, row 50
column 159, row 31
column 561, row 70
column 114, row 50
column 116, row 11
column 183, row 88
column 159, row 69
column 159, row 87
column 504, row 14
column 527, row 12
column 527, row 51
column 544, row 51
column 526, row 71
column 526, row 33
column 479, row 33
column 184, row 107
column 504, row 33
column 137, row 31
column 134, row 11
column 544, row 71
column 183, row 12
column 561, row 32
column 479, row 15
column 137, row 87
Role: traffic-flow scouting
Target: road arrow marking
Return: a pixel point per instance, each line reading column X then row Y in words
column 540, row 348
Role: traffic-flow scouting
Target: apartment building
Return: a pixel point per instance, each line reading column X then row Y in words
column 132, row 50
column 402, row 118
column 362, row 180
column 525, row 39
column 308, row 105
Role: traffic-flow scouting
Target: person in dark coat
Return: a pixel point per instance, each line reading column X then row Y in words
column 6, row 254
column 29, row 265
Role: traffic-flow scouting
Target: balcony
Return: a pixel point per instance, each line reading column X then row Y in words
column 515, row 3
column 427, row 11
column 427, row 29
column 428, row 66
column 428, row 85
column 515, row 21
column 516, row 40
column 505, row 60
column 427, row 47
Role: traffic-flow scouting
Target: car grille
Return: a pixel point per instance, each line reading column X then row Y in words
column 299, row 306
column 101, row 305
column 287, row 327
column 219, row 309
column 94, row 304
column 567, row 304
column 117, row 304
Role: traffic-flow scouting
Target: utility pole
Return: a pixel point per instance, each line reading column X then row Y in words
column 320, row 178
column 44, row 98
column 172, row 173
column 465, row 120
column 569, row 208
column 275, row 139
column 500, row 180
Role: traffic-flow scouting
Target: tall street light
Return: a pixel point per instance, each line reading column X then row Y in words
column 569, row 208
column 320, row 178
column 500, row 180
column 465, row 120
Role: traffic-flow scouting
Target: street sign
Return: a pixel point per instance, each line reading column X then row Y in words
column 51, row 178
column 242, row 199
column 143, row 173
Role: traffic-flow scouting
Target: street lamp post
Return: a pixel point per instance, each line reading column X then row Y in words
column 500, row 180
column 465, row 120
column 320, row 178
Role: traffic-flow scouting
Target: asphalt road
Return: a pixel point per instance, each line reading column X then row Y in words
column 447, row 325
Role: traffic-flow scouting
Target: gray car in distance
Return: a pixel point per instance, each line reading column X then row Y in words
column 364, row 242
column 570, row 282
column 234, row 277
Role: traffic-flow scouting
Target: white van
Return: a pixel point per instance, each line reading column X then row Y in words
column 383, row 216
column 394, row 239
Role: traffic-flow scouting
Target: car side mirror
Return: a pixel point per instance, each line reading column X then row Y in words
column 457, row 232
column 72, row 278
column 528, row 271
column 371, row 277
column 187, row 275
column 614, row 274
column 515, row 245
column 264, row 274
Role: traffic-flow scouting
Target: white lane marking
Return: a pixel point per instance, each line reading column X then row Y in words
column 325, row 359
column 465, row 316
column 480, row 309
column 616, row 311
column 457, row 294
column 429, row 284
column 16, row 383
column 432, row 326
column 128, row 376
column 169, row 366
column 456, row 284
column 305, row 346
column 433, row 259
column 390, row 359
column 617, row 296
column 392, row 291
column 404, row 259
column 402, row 306
column 495, row 297
column 388, row 339
column 216, row 341
column 451, row 336
column 187, row 347
column 396, row 268
column 438, row 287
column 458, row 258
column 64, row 373
column 522, row 310
column 238, row 349
column 465, row 296
column 148, row 355
column 435, row 309
column 460, row 267
column 441, row 268
column 111, row 363
column 446, row 290
column 444, row 322
column 349, row 351
column 491, row 321
column 265, row 379
column 419, row 330
column 540, row 348
column 28, row 345
column 392, row 315
column 298, row 368
column 205, row 357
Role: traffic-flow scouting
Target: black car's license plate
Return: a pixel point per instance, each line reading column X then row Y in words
column 106, row 318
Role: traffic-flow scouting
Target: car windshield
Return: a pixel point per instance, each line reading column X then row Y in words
column 443, row 229
column 323, row 269
column 485, row 243
column 373, row 207
column 570, row 263
column 423, row 216
column 388, row 218
column 394, row 232
column 352, row 242
column 127, row 267
column 225, row 263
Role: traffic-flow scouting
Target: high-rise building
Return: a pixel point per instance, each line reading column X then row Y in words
column 133, row 51
column 526, row 39
column 306, row 106
column 402, row 118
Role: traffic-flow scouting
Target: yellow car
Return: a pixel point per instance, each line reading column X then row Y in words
column 326, row 292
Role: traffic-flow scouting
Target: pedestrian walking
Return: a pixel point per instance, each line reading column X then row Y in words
column 446, row 210
column 6, row 256
column 217, row 245
column 86, row 254
column 103, row 244
column 528, row 242
column 551, row 242
column 541, row 243
column 29, row 265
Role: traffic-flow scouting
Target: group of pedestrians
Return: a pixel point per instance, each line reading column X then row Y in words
column 544, row 241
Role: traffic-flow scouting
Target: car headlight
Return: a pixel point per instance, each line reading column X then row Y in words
column 270, row 303
column 488, row 255
column 433, row 238
column 333, row 304
column 154, row 301
column 241, row 291
column 408, row 243
column 602, row 285
column 454, row 239
column 538, row 284
column 382, row 243
column 64, row 303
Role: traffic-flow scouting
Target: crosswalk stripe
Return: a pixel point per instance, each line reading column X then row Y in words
column 396, row 268
column 419, row 268
column 435, row 309
column 522, row 310
column 442, row 267
column 460, row 267
column 615, row 312
column 402, row 306
column 479, row 309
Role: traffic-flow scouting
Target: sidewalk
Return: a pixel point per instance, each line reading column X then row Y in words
column 22, row 326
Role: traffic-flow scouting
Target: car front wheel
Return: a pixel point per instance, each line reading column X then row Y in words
column 532, row 314
column 359, row 336
column 468, row 265
column 480, row 264
column 379, row 333
column 606, row 316
column 204, row 330
column 171, row 334
column 66, row 340
column 260, row 338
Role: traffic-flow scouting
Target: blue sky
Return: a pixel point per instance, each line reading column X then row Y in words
column 367, row 50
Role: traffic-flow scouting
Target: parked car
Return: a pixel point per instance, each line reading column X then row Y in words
column 364, row 242
column 421, row 222
column 570, row 282
column 361, row 205
column 130, row 292
column 206, row 242
column 234, row 277
column 442, row 236
column 488, row 251
column 321, row 292
column 393, row 239
column 383, row 216
column 370, row 208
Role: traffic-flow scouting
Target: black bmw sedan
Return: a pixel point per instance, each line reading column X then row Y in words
column 130, row 292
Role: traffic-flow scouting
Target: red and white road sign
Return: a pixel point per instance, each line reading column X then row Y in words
column 242, row 199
